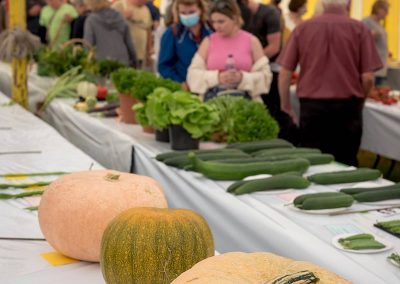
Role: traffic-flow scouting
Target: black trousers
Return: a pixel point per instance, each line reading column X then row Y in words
column 288, row 129
column 333, row 126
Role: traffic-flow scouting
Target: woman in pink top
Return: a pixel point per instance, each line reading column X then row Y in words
column 230, row 58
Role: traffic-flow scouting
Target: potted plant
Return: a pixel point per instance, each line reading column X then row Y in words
column 123, row 80
column 191, row 119
column 157, row 112
column 141, row 117
column 242, row 120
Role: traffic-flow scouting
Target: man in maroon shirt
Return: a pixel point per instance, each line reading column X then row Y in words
column 337, row 59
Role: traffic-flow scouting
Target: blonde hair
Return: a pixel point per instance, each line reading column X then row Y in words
column 96, row 5
column 200, row 3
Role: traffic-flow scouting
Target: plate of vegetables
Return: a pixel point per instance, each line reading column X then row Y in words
column 360, row 243
column 394, row 259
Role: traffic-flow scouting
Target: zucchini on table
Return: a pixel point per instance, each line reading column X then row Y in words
column 282, row 181
column 225, row 171
column 253, row 146
column 358, row 175
column 323, row 200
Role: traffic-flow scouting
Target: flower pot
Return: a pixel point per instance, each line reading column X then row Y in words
column 125, row 112
column 162, row 135
column 148, row 129
column 181, row 139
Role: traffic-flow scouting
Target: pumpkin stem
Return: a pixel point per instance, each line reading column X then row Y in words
column 111, row 177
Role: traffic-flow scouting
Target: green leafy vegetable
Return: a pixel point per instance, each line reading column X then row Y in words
column 107, row 67
column 65, row 86
column 140, row 113
column 241, row 120
column 123, row 80
column 157, row 108
column 140, row 84
column 55, row 62
column 197, row 118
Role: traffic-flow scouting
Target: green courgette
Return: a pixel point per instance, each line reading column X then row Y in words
column 301, row 198
column 284, row 151
column 360, row 242
column 236, row 184
column 313, row 158
column 253, row 146
column 389, row 224
column 225, row 171
column 173, row 154
column 377, row 195
column 357, row 237
column 355, row 190
column 282, row 181
column 181, row 161
column 358, row 175
column 319, row 203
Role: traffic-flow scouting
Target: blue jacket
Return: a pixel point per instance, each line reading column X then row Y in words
column 177, row 51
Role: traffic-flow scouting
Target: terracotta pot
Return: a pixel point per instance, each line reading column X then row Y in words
column 125, row 111
column 148, row 129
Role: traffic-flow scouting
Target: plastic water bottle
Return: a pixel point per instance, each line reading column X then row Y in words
column 230, row 63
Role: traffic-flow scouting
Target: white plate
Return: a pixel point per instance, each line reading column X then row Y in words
column 335, row 242
column 393, row 262
column 257, row 177
column 389, row 202
column 318, row 212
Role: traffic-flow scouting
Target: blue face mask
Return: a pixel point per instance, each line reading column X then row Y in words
column 189, row 20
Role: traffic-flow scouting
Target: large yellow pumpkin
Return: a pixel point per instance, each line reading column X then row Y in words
column 254, row 268
column 75, row 209
column 151, row 245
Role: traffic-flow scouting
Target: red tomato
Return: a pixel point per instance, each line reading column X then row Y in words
column 101, row 92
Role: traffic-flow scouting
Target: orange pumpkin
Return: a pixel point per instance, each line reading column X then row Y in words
column 257, row 268
column 75, row 209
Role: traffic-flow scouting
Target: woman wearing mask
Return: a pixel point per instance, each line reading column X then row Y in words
column 180, row 41
column 230, row 59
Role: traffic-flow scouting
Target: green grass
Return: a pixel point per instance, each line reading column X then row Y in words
column 367, row 159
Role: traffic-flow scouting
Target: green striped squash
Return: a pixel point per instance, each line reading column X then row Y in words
column 153, row 245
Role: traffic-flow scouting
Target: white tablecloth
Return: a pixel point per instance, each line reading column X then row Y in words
column 256, row 222
column 20, row 261
column 381, row 127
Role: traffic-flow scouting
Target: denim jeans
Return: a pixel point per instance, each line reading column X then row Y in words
column 219, row 91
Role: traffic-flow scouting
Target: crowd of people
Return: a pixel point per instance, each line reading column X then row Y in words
column 242, row 48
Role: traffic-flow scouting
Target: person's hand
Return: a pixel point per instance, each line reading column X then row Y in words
column 236, row 77
column 34, row 10
column 224, row 77
column 185, row 86
column 230, row 77
column 128, row 14
column 67, row 18
column 291, row 114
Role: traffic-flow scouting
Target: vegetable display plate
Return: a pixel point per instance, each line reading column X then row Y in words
column 335, row 242
column 393, row 262
column 318, row 212
column 390, row 202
